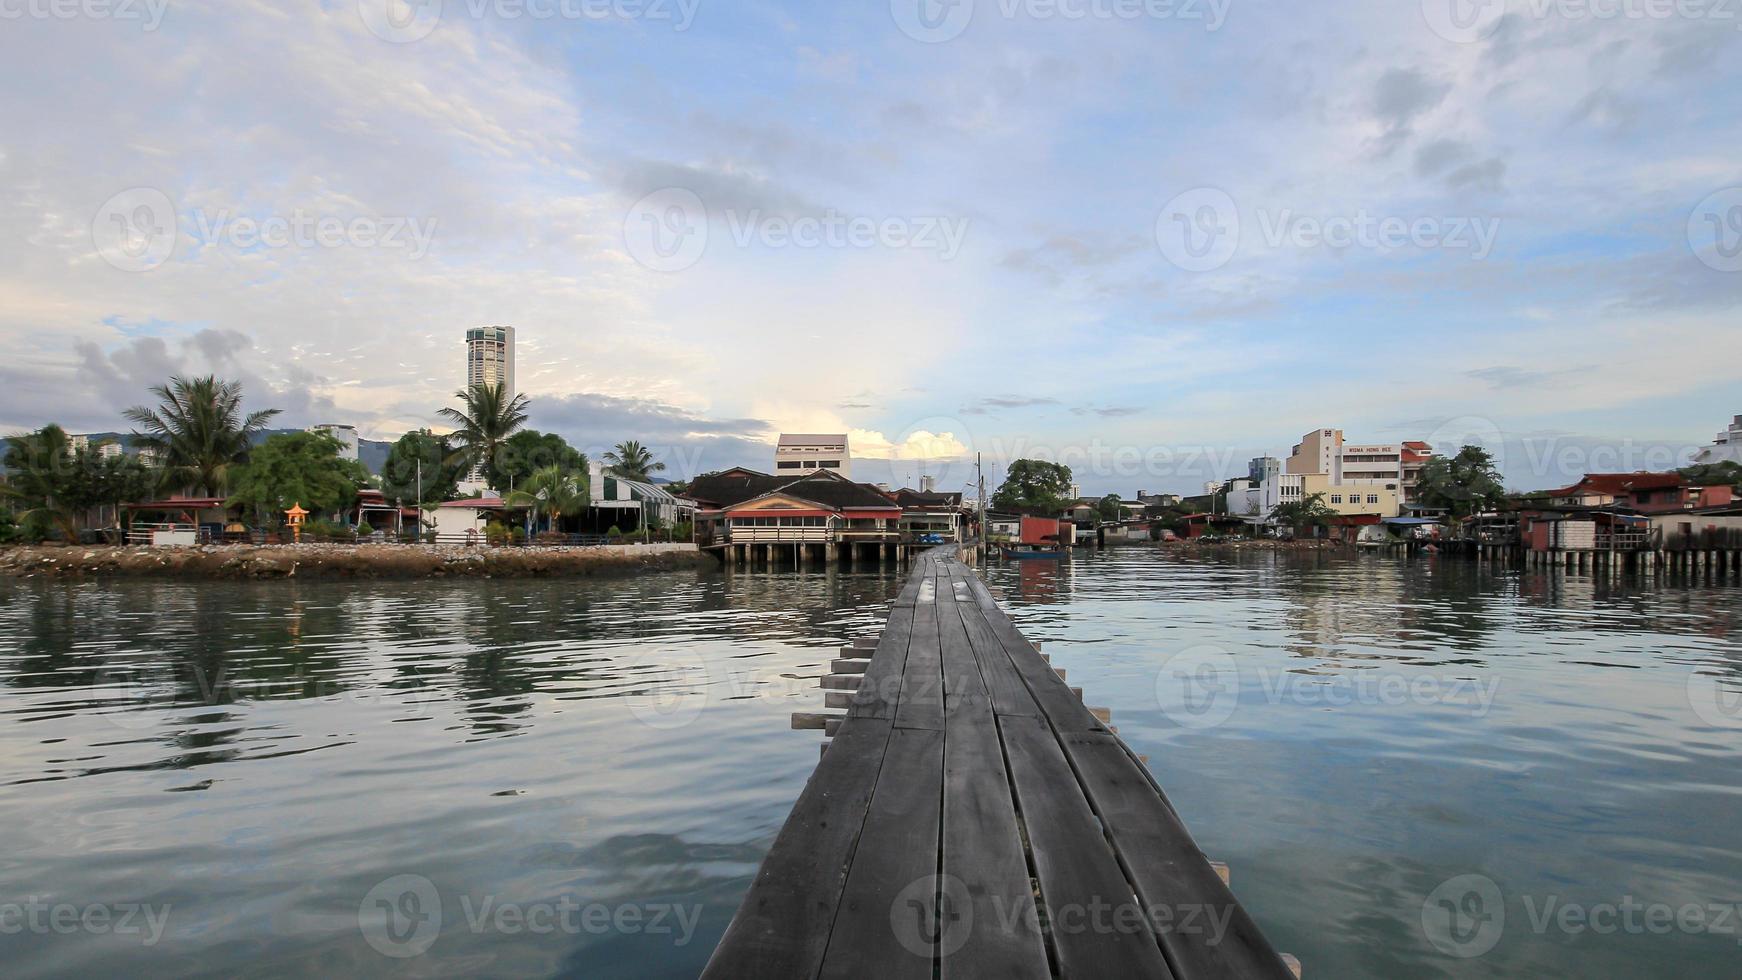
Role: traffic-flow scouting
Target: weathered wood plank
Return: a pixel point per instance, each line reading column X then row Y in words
column 782, row 927
column 1093, row 917
column 1009, row 694
column 998, row 934
column 922, row 696
column 880, row 692
column 887, row 918
column 1066, row 713
column 1204, row 929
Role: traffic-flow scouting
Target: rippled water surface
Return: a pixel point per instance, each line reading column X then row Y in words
column 580, row 777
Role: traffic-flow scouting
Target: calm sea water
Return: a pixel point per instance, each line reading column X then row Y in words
column 1415, row 770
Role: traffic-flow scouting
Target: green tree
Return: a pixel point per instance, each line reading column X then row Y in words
column 107, row 482
column 301, row 468
column 1109, row 508
column 1465, row 484
column 1308, row 512
column 482, row 425
column 551, row 492
column 197, row 432
column 1034, row 485
column 1717, row 474
column 39, row 474
column 632, row 461
column 439, row 472
column 8, row 527
column 528, row 451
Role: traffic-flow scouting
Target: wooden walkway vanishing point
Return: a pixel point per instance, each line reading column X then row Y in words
column 972, row 818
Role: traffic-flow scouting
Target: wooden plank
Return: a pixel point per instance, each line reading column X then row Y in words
column 849, row 666
column 880, row 692
column 1204, row 929
column 1096, row 924
column 782, row 927
column 1066, row 713
column 1009, row 694
column 887, row 917
column 999, row 933
column 922, row 695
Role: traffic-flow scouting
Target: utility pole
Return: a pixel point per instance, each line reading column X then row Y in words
column 980, row 479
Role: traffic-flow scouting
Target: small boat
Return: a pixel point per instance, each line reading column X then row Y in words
column 1031, row 554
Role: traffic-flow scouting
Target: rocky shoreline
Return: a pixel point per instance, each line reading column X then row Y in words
column 338, row 562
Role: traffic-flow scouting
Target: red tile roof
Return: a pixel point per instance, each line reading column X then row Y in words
column 1618, row 484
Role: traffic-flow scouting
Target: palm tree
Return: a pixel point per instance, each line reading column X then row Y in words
column 631, row 461
column 198, row 431
column 551, row 492
column 486, row 420
column 39, row 464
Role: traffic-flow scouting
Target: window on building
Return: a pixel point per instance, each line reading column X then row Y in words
column 831, row 464
column 1336, row 498
column 1372, row 498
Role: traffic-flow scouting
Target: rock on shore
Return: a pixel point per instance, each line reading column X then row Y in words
column 334, row 561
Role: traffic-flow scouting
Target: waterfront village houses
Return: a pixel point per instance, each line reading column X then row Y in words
column 795, row 455
column 744, row 514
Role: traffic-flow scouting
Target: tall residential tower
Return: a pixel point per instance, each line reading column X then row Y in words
column 490, row 357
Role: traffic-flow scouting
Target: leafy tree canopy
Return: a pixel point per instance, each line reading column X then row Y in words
column 1034, row 485
column 197, row 431
column 1309, row 511
column 1714, row 474
column 440, row 471
column 632, row 461
column 482, row 424
column 301, row 468
column 1465, row 484
column 551, row 492
column 528, row 451
column 1109, row 508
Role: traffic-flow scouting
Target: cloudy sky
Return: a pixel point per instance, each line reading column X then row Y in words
column 1152, row 238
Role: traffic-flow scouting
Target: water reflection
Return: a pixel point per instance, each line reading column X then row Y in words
column 259, row 756
column 1590, row 770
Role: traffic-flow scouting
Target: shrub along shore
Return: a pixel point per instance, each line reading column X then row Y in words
column 335, row 561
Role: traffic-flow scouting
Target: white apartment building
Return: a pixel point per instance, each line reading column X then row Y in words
column 796, row 455
column 346, row 434
column 1726, row 448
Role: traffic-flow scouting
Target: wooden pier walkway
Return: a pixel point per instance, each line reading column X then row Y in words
column 973, row 819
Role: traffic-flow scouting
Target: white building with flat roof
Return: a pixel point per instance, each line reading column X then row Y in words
column 1726, row 448
column 346, row 434
column 796, row 455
